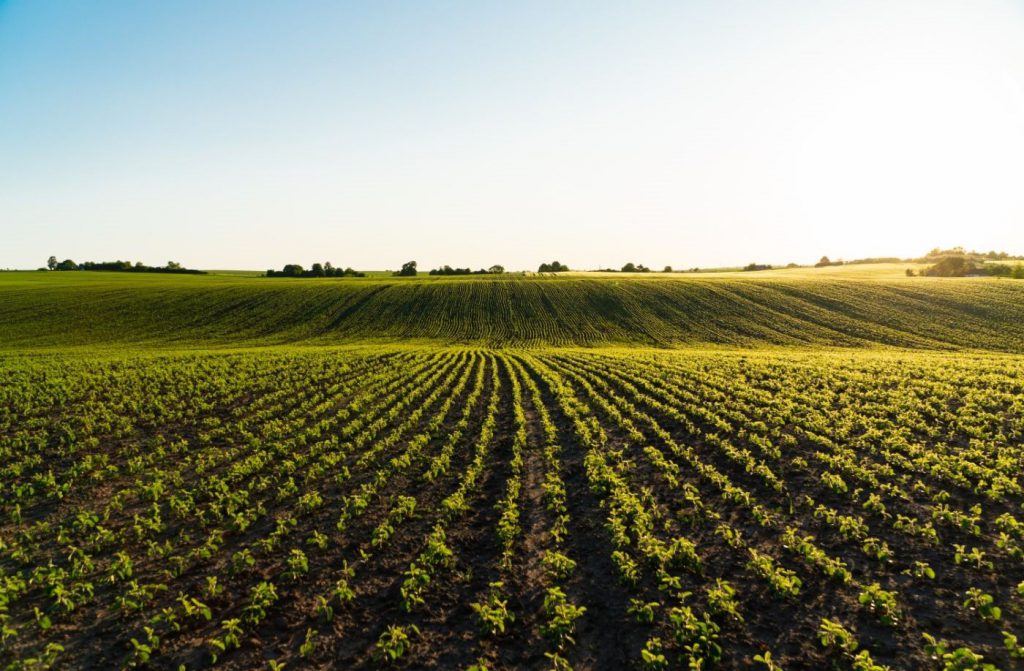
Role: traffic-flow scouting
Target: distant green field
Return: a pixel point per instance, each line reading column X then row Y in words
column 777, row 308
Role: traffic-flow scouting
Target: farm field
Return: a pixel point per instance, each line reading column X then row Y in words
column 86, row 310
column 355, row 336
column 447, row 506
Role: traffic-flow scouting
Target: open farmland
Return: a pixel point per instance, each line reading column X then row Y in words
column 785, row 308
column 537, row 504
column 511, row 336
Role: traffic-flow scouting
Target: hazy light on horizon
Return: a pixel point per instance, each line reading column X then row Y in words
column 249, row 135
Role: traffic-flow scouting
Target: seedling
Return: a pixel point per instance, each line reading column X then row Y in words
column 395, row 642
column 881, row 603
column 643, row 611
column 493, row 612
column 983, row 604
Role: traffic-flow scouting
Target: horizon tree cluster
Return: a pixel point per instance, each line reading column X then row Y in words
column 325, row 269
column 119, row 267
column 553, row 267
column 448, row 270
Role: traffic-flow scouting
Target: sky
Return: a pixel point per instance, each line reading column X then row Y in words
column 250, row 134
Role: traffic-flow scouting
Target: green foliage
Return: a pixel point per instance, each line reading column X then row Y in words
column 561, row 617
column 395, row 642
column 766, row 660
column 983, row 604
column 833, row 634
column 881, row 603
column 958, row 659
column 643, row 611
column 493, row 612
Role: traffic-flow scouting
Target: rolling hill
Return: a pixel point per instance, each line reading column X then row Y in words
column 48, row 310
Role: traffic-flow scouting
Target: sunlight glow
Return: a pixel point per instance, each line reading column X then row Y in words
column 701, row 133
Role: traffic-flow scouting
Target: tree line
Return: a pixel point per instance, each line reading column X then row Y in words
column 448, row 270
column 325, row 269
column 958, row 265
column 120, row 267
column 959, row 262
column 409, row 269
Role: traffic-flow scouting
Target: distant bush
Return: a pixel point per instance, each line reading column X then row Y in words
column 553, row 267
column 757, row 266
column 318, row 270
column 995, row 270
column 1002, row 270
column 952, row 266
column 635, row 268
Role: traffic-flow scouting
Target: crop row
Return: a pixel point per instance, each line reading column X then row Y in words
column 467, row 508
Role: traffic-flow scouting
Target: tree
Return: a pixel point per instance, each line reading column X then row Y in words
column 51, row 263
column 952, row 266
column 629, row 268
column 553, row 267
column 496, row 269
column 173, row 265
column 667, row 269
column 408, row 269
column 67, row 264
column 824, row 261
column 318, row 270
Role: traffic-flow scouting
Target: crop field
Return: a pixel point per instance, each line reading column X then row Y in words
column 385, row 506
column 783, row 309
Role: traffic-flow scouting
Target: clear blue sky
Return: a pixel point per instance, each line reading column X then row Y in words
column 251, row 134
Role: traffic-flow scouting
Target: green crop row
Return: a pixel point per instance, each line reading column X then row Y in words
column 218, row 311
column 541, row 508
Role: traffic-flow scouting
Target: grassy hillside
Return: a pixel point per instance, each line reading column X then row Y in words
column 80, row 309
